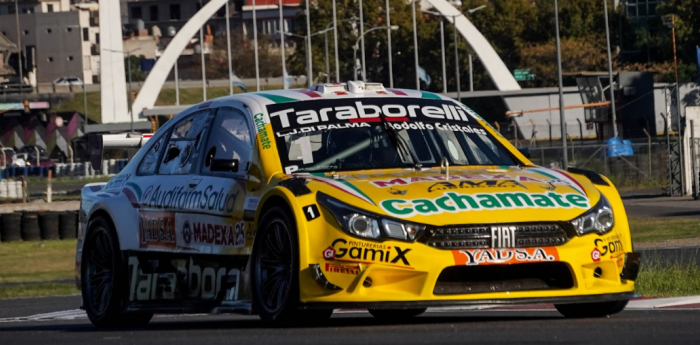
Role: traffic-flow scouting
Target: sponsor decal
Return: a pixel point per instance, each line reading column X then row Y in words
column 157, row 230
column 204, row 198
column 595, row 255
column 262, row 132
column 502, row 236
column 452, row 202
column 608, row 245
column 285, row 116
column 343, row 269
column 444, row 185
column 329, row 253
column 484, row 180
column 183, row 279
column 200, row 230
column 366, row 252
column 251, row 203
column 474, row 257
column 117, row 182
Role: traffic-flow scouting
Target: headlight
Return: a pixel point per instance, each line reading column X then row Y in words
column 358, row 222
column 599, row 219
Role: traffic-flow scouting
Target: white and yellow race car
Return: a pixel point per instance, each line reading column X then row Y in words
column 290, row 204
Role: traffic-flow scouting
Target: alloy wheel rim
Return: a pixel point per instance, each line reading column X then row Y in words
column 100, row 269
column 275, row 265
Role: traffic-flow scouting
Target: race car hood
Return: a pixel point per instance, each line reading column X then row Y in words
column 464, row 196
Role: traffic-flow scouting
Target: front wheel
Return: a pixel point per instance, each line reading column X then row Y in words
column 396, row 314
column 586, row 310
column 103, row 286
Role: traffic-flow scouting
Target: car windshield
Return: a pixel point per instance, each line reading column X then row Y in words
column 380, row 133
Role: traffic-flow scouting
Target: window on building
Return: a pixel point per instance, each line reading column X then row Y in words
column 86, row 34
column 154, row 13
column 48, row 31
column 69, row 29
column 49, row 59
column 49, row 8
column 136, row 12
column 11, row 9
column 26, row 32
column 175, row 11
column 69, row 58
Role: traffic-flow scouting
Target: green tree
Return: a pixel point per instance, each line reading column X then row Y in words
column 136, row 73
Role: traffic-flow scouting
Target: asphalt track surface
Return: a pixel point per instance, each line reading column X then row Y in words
column 668, row 326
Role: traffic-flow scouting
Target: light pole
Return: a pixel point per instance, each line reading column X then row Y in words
column 128, row 63
column 454, row 41
column 282, row 46
column 335, row 39
column 354, row 47
column 228, row 49
column 204, row 66
column 307, row 41
column 562, row 115
column 415, row 43
column 362, row 40
column 388, row 44
column 309, row 81
column 610, row 73
column 442, row 47
column 255, row 46
column 19, row 52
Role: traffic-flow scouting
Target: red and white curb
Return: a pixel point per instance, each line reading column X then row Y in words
column 673, row 303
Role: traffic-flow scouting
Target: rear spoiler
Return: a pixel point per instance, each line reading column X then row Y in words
column 97, row 143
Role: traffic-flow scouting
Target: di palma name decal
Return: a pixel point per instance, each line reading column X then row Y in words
column 452, row 202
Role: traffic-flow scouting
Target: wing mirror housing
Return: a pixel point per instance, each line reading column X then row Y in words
column 525, row 151
column 225, row 165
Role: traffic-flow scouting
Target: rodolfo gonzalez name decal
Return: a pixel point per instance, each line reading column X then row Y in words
column 456, row 202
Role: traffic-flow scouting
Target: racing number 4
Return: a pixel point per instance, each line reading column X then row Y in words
column 311, row 212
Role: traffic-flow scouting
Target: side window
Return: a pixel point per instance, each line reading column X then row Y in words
column 230, row 139
column 182, row 149
column 150, row 160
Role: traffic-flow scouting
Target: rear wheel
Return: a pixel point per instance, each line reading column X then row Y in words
column 584, row 310
column 396, row 314
column 103, row 279
column 275, row 270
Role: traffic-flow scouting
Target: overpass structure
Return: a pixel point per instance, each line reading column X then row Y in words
column 114, row 108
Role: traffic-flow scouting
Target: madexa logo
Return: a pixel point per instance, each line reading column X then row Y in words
column 452, row 202
column 365, row 251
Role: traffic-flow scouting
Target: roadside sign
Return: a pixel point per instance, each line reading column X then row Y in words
column 523, row 74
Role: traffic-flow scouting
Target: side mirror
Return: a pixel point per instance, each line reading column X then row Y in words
column 225, row 165
column 525, row 151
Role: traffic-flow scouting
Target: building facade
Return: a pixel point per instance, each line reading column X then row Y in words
column 57, row 39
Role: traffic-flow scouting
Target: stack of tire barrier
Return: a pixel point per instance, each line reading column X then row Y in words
column 11, row 189
column 36, row 226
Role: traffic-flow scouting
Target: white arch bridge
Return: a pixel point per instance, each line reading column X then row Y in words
column 114, row 103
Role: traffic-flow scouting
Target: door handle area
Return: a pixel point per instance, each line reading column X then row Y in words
column 194, row 182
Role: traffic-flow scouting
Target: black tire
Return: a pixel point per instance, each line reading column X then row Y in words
column 103, row 279
column 48, row 224
column 30, row 227
column 275, row 271
column 11, row 225
column 68, row 225
column 589, row 310
column 396, row 314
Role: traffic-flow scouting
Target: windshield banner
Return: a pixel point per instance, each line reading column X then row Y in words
column 402, row 113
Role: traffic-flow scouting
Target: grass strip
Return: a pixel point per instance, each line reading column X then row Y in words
column 661, row 229
column 37, row 290
column 37, row 261
column 657, row 279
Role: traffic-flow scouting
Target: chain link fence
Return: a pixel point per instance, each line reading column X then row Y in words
column 646, row 168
